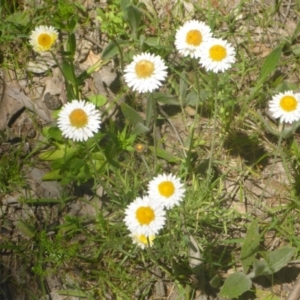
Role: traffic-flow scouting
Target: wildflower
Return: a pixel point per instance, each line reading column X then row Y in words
column 79, row 120
column 286, row 106
column 142, row 241
column 217, row 55
column 42, row 38
column 190, row 38
column 144, row 216
column 166, row 189
column 145, row 73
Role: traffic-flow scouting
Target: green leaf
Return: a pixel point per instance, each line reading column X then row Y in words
column 139, row 129
column 123, row 5
column 235, row 285
column 260, row 267
column 68, row 71
column 98, row 100
column 165, row 99
column 52, row 154
column 55, row 133
column 71, row 44
column 75, row 293
column 279, row 258
column 152, row 41
column 24, row 228
column 162, row 153
column 269, row 64
column 131, row 115
column 18, row 18
column 112, row 49
column 52, row 175
column 273, row 261
column 250, row 246
column 133, row 16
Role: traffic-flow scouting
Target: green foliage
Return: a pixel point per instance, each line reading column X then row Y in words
column 54, row 252
column 271, row 262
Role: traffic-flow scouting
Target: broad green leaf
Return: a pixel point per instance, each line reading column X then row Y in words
column 98, row 100
column 52, row 154
column 279, row 258
column 112, row 49
column 133, row 17
column 260, row 267
column 162, row 153
column 68, row 71
column 55, row 133
column 235, row 285
column 269, row 64
column 139, row 129
column 131, row 115
column 152, row 41
column 165, row 99
column 18, row 18
column 250, row 246
column 123, row 5
column 52, row 175
column 24, row 228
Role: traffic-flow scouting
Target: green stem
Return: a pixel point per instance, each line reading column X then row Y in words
column 189, row 154
column 212, row 146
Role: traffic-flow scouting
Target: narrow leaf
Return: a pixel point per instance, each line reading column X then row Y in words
column 165, row 99
column 250, row 246
column 235, row 285
column 24, row 228
column 270, row 64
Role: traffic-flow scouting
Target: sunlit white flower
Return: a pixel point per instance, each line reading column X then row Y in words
column 79, row 120
column 142, row 241
column 42, row 38
column 217, row 55
column 144, row 216
column 145, row 73
column 167, row 190
column 286, row 106
column 191, row 36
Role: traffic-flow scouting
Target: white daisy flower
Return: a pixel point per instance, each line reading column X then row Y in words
column 42, row 38
column 144, row 216
column 286, row 106
column 79, row 120
column 191, row 36
column 145, row 73
column 142, row 241
column 167, row 190
column 217, row 55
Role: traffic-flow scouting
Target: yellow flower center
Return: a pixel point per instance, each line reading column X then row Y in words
column 288, row 103
column 145, row 215
column 144, row 68
column 78, row 118
column 45, row 40
column 194, row 37
column 166, row 188
column 217, row 52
